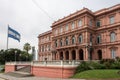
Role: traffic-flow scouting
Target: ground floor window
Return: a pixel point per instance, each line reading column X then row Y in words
column 113, row 53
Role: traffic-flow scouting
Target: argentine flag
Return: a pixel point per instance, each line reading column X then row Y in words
column 13, row 34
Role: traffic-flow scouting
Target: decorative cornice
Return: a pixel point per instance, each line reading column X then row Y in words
column 45, row 33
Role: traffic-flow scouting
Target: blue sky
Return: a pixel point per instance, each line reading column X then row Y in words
column 29, row 20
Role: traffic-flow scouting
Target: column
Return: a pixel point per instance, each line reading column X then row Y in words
column 63, row 41
column 58, row 55
column 70, row 55
column 85, row 20
column 77, row 54
column 69, row 40
column 76, row 38
column 64, row 56
column 86, row 54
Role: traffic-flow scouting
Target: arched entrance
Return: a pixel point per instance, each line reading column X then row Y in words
column 99, row 54
column 73, row 55
column 67, row 55
column 61, row 55
column 81, row 55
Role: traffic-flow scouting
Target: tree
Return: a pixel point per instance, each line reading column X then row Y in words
column 27, row 47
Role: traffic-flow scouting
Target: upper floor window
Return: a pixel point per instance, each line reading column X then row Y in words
column 56, row 43
column 112, row 20
column 48, row 47
column 90, row 22
column 73, row 40
column 113, row 53
column 80, row 23
column 61, row 30
column 98, row 23
column 66, row 28
column 42, row 48
column 61, row 42
column 73, row 25
column 90, row 37
column 112, row 37
column 49, row 37
column 56, row 31
column 80, row 38
column 66, row 40
column 99, row 39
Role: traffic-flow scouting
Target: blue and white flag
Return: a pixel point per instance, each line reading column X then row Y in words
column 13, row 34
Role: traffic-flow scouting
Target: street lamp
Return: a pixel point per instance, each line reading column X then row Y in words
column 15, row 55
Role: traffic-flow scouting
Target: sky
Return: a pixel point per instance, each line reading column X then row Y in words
column 33, row 17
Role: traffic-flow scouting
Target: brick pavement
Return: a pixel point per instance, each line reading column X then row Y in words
column 7, row 77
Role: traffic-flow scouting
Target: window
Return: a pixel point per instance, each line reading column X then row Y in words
column 66, row 27
column 56, row 43
column 48, row 47
column 80, row 38
column 90, row 37
column 73, row 40
column 90, row 22
column 61, row 42
column 80, row 23
column 112, row 37
column 98, row 23
column 61, row 30
column 56, row 31
column 113, row 53
column 49, row 37
column 99, row 39
column 66, row 40
column 42, row 48
column 112, row 20
column 73, row 25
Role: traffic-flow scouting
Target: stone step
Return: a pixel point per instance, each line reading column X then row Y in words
column 18, row 74
column 25, row 69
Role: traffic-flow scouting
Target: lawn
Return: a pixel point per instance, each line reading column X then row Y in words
column 98, row 74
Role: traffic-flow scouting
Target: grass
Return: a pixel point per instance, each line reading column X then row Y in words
column 98, row 74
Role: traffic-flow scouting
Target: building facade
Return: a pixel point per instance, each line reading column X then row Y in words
column 83, row 35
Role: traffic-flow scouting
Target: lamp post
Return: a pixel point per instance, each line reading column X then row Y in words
column 15, row 55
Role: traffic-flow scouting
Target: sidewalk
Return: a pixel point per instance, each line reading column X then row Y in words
column 7, row 77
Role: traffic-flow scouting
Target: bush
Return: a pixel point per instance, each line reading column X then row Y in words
column 97, row 65
column 103, row 64
column 83, row 67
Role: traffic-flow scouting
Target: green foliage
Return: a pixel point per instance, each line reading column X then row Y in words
column 10, row 55
column 97, row 65
column 83, row 66
column 98, row 74
column 27, row 47
column 103, row 64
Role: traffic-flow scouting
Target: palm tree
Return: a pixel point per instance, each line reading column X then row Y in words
column 27, row 47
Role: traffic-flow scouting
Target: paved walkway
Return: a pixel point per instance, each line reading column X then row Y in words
column 7, row 77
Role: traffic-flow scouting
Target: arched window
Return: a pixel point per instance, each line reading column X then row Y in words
column 80, row 38
column 66, row 27
column 66, row 40
column 113, row 53
column 60, row 42
column 56, row 43
column 99, row 39
column 112, row 37
column 73, row 25
column 80, row 23
column 73, row 40
column 61, row 30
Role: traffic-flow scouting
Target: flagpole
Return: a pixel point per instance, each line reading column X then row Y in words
column 7, row 38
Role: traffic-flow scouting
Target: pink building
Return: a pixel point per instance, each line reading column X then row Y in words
column 83, row 35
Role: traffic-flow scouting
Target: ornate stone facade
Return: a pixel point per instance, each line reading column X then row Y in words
column 83, row 35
